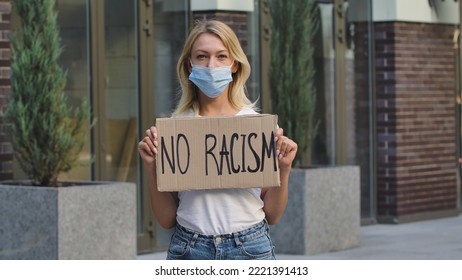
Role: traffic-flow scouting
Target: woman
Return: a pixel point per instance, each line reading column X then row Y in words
column 217, row 224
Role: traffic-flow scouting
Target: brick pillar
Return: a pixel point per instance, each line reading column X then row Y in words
column 6, row 151
column 415, row 84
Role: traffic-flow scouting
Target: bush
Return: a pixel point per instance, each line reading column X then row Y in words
column 291, row 72
column 47, row 134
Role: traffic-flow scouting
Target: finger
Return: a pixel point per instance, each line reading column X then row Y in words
column 153, row 132
column 279, row 133
column 278, row 139
column 144, row 148
column 152, row 145
column 291, row 149
column 148, row 133
column 283, row 148
column 289, row 146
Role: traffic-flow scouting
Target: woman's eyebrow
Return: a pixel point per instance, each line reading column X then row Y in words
column 205, row 51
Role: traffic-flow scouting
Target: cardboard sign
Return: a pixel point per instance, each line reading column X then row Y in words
column 217, row 153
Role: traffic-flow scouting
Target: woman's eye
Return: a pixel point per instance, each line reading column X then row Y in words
column 200, row 57
column 222, row 57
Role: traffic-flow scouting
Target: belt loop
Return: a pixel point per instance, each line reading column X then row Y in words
column 237, row 240
column 266, row 225
column 194, row 239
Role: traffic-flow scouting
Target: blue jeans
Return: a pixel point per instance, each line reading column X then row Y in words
column 253, row 243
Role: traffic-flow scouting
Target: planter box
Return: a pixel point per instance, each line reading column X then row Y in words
column 323, row 211
column 91, row 220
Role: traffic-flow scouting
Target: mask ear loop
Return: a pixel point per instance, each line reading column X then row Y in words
column 190, row 66
column 237, row 66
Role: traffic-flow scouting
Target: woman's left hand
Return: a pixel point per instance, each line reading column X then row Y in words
column 275, row 199
column 286, row 149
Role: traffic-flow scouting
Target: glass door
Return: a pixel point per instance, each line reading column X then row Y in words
column 170, row 28
column 121, row 91
column 347, row 93
column 115, row 99
column 119, row 109
column 121, row 54
column 101, row 54
column 73, row 21
column 163, row 27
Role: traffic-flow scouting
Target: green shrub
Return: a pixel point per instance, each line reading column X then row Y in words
column 291, row 72
column 47, row 134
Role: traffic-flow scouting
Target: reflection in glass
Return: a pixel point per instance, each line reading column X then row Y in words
column 72, row 19
column 121, row 96
column 356, row 87
column 170, row 31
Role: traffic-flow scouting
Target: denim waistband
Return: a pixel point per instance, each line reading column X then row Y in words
column 240, row 236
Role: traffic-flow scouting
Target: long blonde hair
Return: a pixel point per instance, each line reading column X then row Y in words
column 237, row 90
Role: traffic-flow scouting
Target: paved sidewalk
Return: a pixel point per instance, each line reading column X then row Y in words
column 438, row 239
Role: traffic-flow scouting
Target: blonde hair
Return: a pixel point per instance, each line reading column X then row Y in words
column 237, row 90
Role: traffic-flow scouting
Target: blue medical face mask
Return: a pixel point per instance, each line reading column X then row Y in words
column 211, row 81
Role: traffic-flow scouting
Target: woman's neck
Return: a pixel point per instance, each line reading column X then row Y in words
column 217, row 111
column 219, row 106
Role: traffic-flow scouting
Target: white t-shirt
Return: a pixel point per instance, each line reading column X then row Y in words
column 214, row 212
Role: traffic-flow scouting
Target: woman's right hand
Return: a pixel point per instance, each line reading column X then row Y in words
column 147, row 147
column 164, row 204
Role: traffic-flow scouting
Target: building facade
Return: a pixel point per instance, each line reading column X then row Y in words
column 387, row 81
